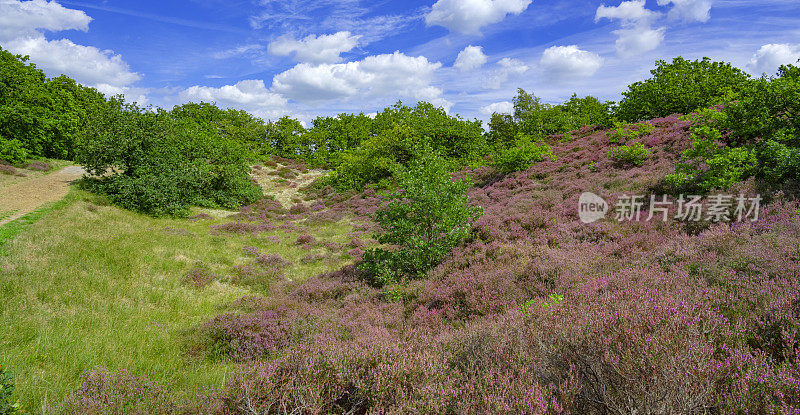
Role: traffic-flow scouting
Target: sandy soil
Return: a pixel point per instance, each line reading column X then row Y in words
column 22, row 198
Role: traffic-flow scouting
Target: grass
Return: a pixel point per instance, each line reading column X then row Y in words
column 87, row 285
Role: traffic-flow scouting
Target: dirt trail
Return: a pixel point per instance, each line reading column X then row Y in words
column 24, row 197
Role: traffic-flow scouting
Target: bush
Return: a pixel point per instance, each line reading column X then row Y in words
column 163, row 162
column 12, row 151
column 522, row 154
column 710, row 163
column 539, row 120
column 624, row 132
column 425, row 218
column 681, row 87
column 629, row 155
column 7, row 404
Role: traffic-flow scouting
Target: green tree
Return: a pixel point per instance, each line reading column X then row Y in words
column 426, row 217
column 681, row 87
column 161, row 162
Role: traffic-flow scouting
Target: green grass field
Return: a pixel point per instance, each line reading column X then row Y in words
column 86, row 285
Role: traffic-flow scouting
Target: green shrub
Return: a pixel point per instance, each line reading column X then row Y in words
column 624, row 132
column 161, row 162
column 522, row 154
column 7, row 404
column 630, row 155
column 12, row 151
column 710, row 163
column 539, row 120
column 427, row 216
column 681, row 87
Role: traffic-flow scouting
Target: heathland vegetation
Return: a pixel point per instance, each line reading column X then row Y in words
column 406, row 262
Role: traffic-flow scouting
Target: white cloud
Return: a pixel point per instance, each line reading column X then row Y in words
column 469, row 16
column 86, row 64
column 689, row 10
column 635, row 41
column 629, row 12
column 313, row 49
column 565, row 63
column 24, row 18
column 381, row 75
column 508, row 68
column 21, row 26
column 770, row 57
column 470, row 58
column 503, row 107
column 251, row 93
column 637, row 34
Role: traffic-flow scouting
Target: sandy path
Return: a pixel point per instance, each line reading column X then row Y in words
column 25, row 197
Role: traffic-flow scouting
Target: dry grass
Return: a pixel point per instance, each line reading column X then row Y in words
column 90, row 285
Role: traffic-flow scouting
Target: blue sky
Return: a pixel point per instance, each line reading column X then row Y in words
column 320, row 57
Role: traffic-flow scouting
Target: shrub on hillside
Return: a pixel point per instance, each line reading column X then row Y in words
column 426, row 217
column 521, row 154
column 629, row 155
column 624, row 132
column 680, row 87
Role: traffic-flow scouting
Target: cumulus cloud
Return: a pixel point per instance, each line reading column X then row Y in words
column 86, row 64
column 637, row 34
column 315, row 49
column 565, row 63
column 470, row 58
column 21, row 30
column 25, row 18
column 469, row 16
column 770, row 57
column 508, row 68
column 689, row 10
column 381, row 75
column 247, row 93
column 502, row 107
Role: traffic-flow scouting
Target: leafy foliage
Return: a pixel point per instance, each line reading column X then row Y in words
column 162, row 162
column 680, row 87
column 756, row 135
column 537, row 119
column 12, row 151
column 624, row 132
column 48, row 116
column 427, row 216
column 522, row 154
column 630, row 155
column 7, row 404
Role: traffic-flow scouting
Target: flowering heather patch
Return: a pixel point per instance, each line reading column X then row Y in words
column 201, row 216
column 273, row 261
column 118, row 393
column 298, row 208
column 305, row 240
column 4, row 162
column 10, row 170
column 651, row 318
column 38, row 166
column 244, row 337
column 243, row 228
column 199, row 277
